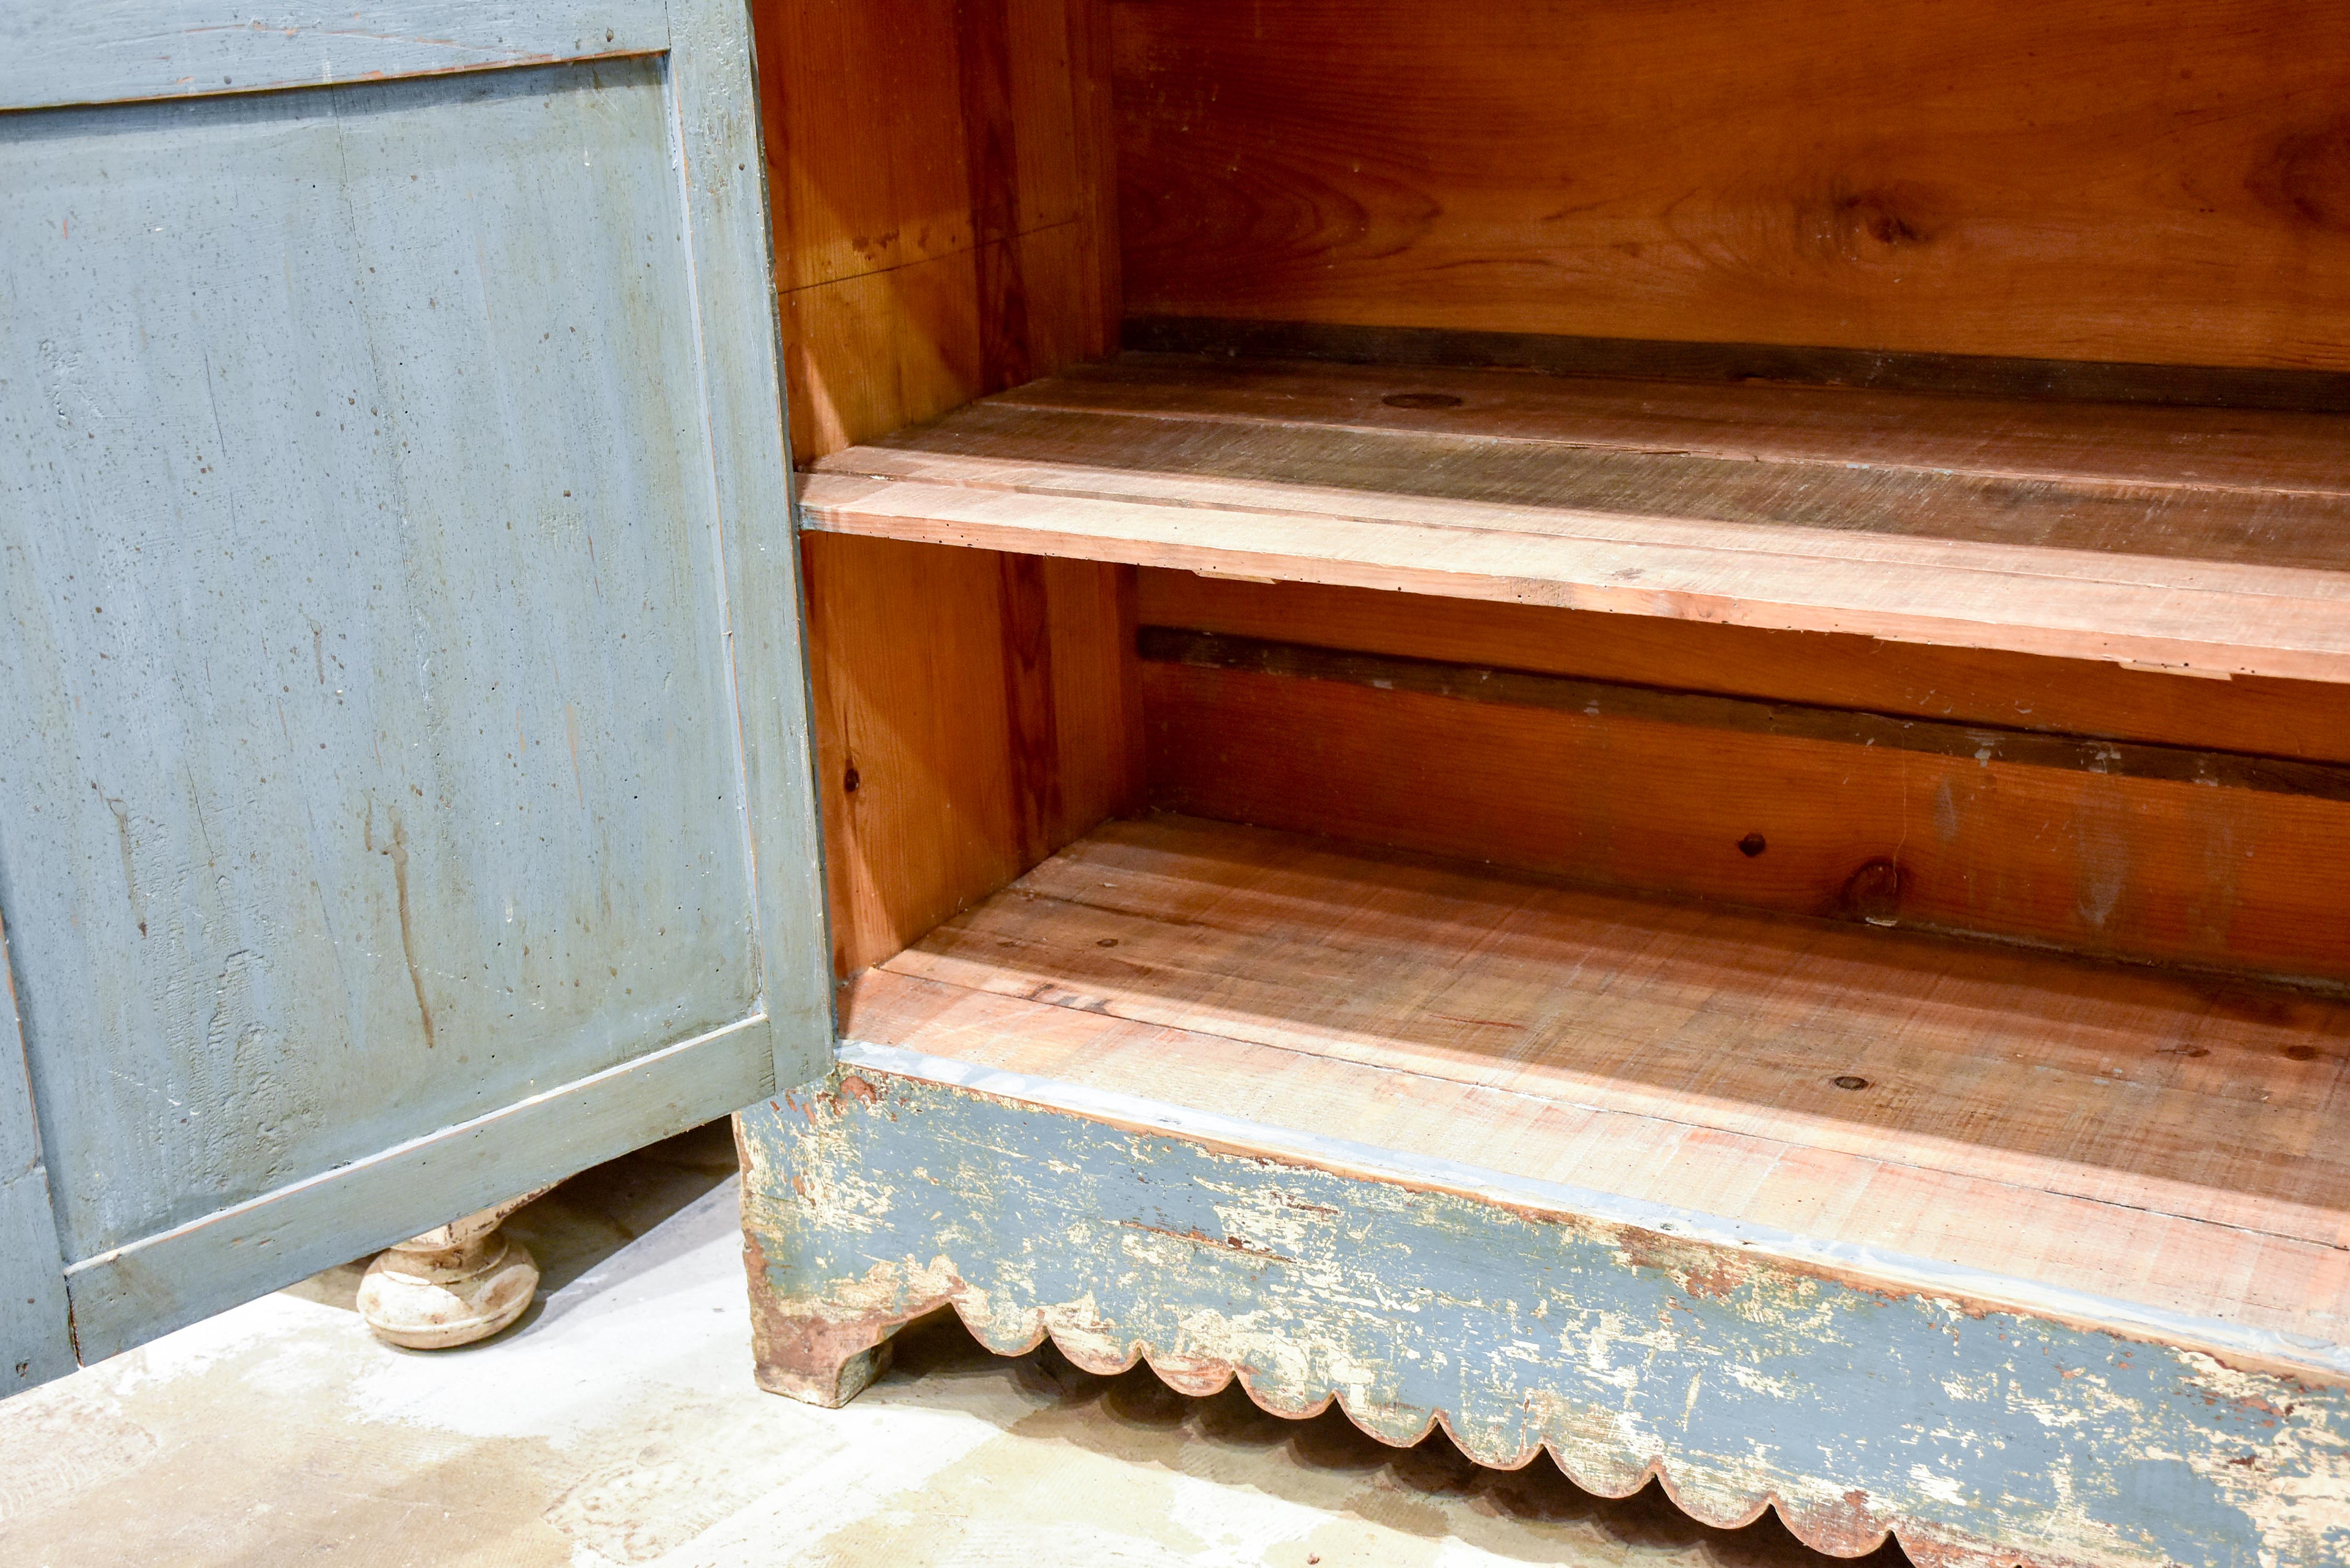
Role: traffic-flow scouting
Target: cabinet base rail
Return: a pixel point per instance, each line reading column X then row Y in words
column 1740, row 1377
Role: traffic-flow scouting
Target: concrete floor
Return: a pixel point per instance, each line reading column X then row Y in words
column 616, row 1423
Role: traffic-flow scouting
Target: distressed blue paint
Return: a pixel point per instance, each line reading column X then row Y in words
column 407, row 710
column 366, row 620
column 36, row 1340
column 1981, row 1435
column 105, row 51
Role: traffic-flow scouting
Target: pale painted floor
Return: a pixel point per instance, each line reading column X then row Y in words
column 618, row 1424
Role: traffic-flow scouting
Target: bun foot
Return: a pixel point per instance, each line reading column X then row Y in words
column 452, row 1285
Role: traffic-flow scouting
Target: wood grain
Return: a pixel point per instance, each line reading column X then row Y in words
column 974, row 714
column 940, row 179
column 2003, row 377
column 35, row 1330
column 2110, row 1130
column 1949, row 523
column 2101, row 863
column 2056, row 696
column 1606, row 700
column 941, row 197
column 2162, row 182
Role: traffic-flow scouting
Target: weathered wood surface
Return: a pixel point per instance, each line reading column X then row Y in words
column 402, row 630
column 2141, row 1136
column 1949, row 523
column 36, row 1336
column 2138, row 852
column 942, row 212
column 941, row 202
column 2006, row 377
column 2157, row 182
column 975, row 712
column 105, row 51
column 1626, row 1344
column 1969, row 686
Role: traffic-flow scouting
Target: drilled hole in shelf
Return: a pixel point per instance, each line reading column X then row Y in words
column 1849, row 1081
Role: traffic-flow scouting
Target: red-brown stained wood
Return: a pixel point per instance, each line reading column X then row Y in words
column 939, row 179
column 2062, row 696
column 972, row 715
column 2129, row 866
column 2075, row 179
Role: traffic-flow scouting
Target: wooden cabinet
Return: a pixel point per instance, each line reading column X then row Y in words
column 1624, row 725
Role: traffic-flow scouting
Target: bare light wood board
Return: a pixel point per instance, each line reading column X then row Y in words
column 2117, row 1132
column 2208, row 542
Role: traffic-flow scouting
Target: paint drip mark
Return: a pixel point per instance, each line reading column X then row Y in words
column 398, row 853
column 571, row 725
column 122, row 832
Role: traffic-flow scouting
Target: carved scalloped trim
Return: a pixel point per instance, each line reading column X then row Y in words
column 1855, row 1533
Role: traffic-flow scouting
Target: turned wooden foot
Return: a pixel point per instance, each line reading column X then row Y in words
column 462, row 1282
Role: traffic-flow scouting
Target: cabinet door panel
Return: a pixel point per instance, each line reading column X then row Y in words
column 408, row 798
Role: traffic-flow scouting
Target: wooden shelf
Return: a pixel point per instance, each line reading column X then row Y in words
column 2209, row 540
column 2137, row 1136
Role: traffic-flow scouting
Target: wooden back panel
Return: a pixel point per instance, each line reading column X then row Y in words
column 2164, row 182
column 2226, row 858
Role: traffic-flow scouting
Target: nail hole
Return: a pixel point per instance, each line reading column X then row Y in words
column 1107, row 942
column 1754, row 844
column 849, row 780
column 1421, row 401
column 1849, row 1081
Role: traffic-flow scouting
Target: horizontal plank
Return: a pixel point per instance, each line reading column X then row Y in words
column 1743, row 715
column 2071, row 697
column 112, row 51
column 2085, row 452
column 2148, row 869
column 1988, row 1423
column 2158, row 182
column 1791, row 364
column 129, row 1295
column 2105, row 1130
column 1855, row 521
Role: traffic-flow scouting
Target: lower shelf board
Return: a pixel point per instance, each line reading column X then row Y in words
column 2088, row 1130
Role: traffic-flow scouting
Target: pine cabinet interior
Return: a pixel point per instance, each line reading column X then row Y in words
column 1626, row 726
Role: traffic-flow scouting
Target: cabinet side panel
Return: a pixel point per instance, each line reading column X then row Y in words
column 973, row 715
column 941, row 178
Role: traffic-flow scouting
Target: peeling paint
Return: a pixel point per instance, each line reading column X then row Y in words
column 1740, row 1382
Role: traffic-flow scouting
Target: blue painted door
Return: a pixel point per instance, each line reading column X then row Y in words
column 404, row 798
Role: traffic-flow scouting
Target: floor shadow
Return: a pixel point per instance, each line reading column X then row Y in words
column 1431, row 1490
column 586, row 1219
